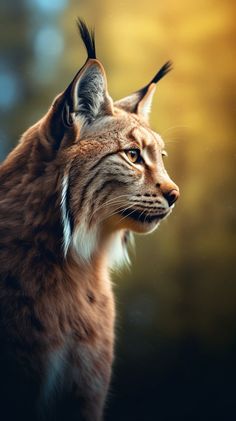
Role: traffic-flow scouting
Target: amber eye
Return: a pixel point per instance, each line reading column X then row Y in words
column 134, row 155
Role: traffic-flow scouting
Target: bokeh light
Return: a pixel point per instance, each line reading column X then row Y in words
column 48, row 46
column 9, row 89
column 48, row 43
column 47, row 6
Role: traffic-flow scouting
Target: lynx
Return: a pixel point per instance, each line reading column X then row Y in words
column 79, row 181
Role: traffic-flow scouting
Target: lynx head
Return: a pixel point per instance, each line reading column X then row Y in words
column 113, row 176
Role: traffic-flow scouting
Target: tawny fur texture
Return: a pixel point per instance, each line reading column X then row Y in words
column 89, row 172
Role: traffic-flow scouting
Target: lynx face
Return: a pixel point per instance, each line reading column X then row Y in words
column 114, row 177
column 126, row 184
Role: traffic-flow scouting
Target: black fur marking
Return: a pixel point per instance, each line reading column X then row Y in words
column 132, row 101
column 68, row 208
column 104, row 157
column 111, row 181
column 88, row 38
column 67, row 107
column 94, row 177
column 105, row 184
column 166, row 68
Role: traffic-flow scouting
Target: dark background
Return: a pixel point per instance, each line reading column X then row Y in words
column 176, row 305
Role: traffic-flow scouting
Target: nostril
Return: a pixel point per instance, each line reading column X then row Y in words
column 171, row 196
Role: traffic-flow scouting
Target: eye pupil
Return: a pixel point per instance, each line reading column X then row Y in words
column 133, row 155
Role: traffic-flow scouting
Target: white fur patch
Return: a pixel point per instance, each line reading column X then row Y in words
column 146, row 157
column 147, row 104
column 85, row 241
column 117, row 252
column 64, row 216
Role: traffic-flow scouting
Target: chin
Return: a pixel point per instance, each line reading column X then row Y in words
column 138, row 222
column 143, row 227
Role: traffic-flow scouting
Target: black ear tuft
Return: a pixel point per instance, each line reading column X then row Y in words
column 140, row 101
column 167, row 67
column 88, row 38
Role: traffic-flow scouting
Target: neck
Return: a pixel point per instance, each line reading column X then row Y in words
column 32, row 218
column 30, row 206
column 100, row 243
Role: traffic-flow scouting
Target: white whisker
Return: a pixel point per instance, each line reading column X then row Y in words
column 110, row 202
column 173, row 128
column 114, row 212
column 126, row 216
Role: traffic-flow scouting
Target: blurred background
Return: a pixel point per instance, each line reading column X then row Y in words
column 176, row 323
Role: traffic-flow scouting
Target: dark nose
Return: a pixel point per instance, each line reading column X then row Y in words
column 171, row 196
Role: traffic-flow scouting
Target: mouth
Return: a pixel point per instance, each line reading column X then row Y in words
column 145, row 217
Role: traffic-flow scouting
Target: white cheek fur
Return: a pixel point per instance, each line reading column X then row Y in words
column 86, row 241
column 65, row 216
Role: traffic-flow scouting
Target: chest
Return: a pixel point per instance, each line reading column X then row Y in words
column 79, row 370
column 82, row 356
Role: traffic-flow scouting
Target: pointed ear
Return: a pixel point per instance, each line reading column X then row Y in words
column 140, row 101
column 89, row 96
column 54, row 124
column 85, row 99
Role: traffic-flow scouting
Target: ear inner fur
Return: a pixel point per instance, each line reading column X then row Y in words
column 90, row 96
column 144, row 106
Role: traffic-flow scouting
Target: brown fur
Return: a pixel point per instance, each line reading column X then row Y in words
column 56, row 305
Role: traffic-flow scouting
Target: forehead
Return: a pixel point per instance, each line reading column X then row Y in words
column 138, row 131
column 145, row 137
column 126, row 128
